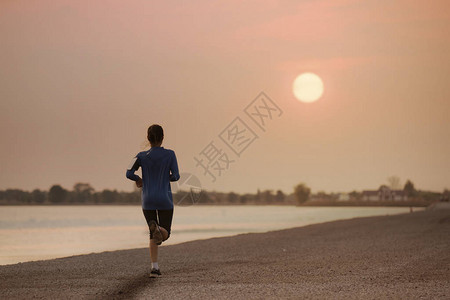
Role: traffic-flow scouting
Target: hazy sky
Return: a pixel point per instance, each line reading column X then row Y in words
column 80, row 82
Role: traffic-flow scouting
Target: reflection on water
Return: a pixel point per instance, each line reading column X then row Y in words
column 43, row 232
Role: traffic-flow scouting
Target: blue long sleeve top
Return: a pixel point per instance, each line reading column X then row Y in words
column 159, row 167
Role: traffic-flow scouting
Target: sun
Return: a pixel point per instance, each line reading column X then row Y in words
column 307, row 87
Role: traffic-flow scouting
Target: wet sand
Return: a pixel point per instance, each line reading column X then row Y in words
column 404, row 256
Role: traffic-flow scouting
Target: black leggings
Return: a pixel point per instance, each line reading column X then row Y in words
column 162, row 217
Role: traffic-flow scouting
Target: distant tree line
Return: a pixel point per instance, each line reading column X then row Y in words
column 84, row 193
column 265, row 197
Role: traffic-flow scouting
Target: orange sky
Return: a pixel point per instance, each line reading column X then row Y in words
column 80, row 81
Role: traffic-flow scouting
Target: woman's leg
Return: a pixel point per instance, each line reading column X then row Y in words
column 154, row 245
column 150, row 215
column 153, row 251
column 164, row 219
column 164, row 233
column 165, row 222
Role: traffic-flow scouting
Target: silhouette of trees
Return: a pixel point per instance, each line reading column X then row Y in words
column 267, row 196
column 12, row 195
column 108, row 196
column 82, row 192
column 302, row 193
column 243, row 199
column 232, row 197
column 409, row 189
column 38, row 196
column 258, row 195
column 279, row 197
column 57, row 194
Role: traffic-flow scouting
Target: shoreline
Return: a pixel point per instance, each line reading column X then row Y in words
column 64, row 252
column 397, row 256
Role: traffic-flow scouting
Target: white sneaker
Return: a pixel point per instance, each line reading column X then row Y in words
column 155, row 273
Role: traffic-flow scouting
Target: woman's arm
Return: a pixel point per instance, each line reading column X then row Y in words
column 174, row 173
column 132, row 168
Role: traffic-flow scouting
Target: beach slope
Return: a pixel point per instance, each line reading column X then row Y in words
column 403, row 256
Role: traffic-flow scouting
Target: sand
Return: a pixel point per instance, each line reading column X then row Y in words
column 404, row 256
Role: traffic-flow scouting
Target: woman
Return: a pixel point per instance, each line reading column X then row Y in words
column 159, row 167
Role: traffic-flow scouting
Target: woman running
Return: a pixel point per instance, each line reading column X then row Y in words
column 159, row 167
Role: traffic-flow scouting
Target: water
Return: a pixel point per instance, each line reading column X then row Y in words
column 30, row 233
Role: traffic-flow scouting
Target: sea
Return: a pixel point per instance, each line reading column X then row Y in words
column 30, row 233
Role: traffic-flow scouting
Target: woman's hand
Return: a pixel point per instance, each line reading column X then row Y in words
column 139, row 183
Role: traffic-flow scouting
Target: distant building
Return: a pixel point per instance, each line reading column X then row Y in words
column 384, row 193
column 343, row 197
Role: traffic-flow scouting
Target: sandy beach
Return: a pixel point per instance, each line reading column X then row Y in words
column 404, row 256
